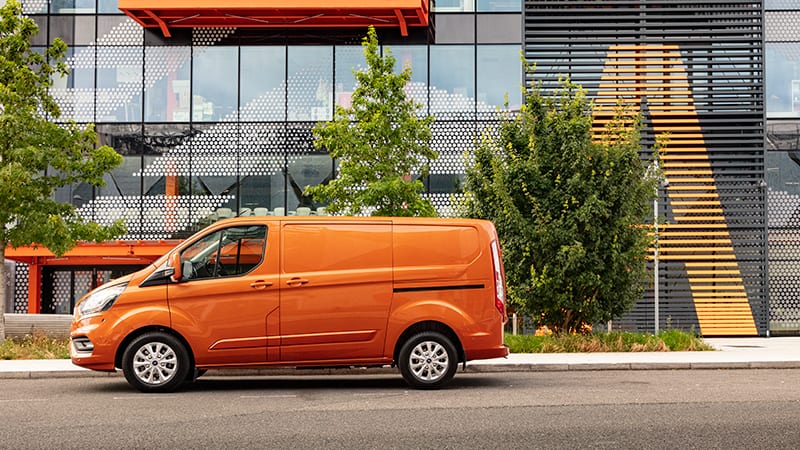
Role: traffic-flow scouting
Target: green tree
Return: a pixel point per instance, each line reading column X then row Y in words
column 379, row 142
column 38, row 156
column 569, row 211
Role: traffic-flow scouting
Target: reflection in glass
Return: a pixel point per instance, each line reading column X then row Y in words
column 416, row 57
column 72, row 91
column 452, row 79
column 310, row 83
column 303, row 171
column 215, row 75
column 263, row 83
column 167, row 94
column 348, row 59
column 119, row 84
column 499, row 74
column 72, row 6
column 453, row 5
column 499, row 5
column 783, row 79
column 108, row 7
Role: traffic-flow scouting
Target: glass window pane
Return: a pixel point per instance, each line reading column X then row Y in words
column 416, row 57
column 783, row 79
column 108, row 7
column 499, row 5
column 166, row 197
column 198, row 260
column 63, row 27
column 34, row 6
column 262, row 186
column 310, row 83
column 214, row 169
column 307, row 170
column 348, row 59
column 119, row 30
column 781, row 4
column 455, row 29
column 72, row 6
column 263, row 83
column 120, row 198
column 242, row 249
column 119, row 84
column 215, row 84
column 41, row 37
column 229, row 252
column 453, row 5
column 75, row 92
column 499, row 75
column 166, row 71
column 452, row 81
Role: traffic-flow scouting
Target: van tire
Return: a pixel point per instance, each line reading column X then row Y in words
column 156, row 362
column 428, row 360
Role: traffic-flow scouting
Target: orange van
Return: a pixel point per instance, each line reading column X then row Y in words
column 422, row 294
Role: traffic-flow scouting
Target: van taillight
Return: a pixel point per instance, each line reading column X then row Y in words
column 499, row 283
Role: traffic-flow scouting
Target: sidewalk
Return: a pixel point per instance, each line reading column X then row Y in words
column 732, row 353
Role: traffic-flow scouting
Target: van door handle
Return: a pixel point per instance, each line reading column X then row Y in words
column 296, row 281
column 260, row 284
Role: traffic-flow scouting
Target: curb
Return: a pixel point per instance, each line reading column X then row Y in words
column 471, row 368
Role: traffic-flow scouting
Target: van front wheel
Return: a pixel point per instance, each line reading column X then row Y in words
column 155, row 362
column 428, row 360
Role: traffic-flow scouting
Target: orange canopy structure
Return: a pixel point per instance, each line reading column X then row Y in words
column 169, row 14
column 115, row 253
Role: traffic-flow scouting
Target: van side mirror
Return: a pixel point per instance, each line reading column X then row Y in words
column 175, row 264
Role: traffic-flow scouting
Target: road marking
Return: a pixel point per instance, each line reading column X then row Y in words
column 143, row 397
column 269, row 396
column 380, row 394
column 23, row 400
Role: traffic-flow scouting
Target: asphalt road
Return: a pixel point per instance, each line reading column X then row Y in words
column 706, row 409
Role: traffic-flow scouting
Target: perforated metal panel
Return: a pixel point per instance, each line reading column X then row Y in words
column 782, row 26
column 783, row 179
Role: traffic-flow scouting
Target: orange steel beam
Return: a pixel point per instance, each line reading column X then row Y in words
column 402, row 21
column 158, row 21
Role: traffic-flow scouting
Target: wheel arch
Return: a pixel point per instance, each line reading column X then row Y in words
column 140, row 331
column 428, row 325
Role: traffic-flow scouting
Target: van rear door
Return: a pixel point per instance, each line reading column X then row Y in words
column 336, row 289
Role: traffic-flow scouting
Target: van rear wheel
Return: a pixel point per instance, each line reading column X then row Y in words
column 428, row 360
column 156, row 362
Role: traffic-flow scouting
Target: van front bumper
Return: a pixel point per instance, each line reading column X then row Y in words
column 88, row 348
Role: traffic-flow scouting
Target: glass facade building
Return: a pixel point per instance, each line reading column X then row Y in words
column 216, row 122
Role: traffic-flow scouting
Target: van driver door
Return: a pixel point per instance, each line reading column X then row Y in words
column 227, row 292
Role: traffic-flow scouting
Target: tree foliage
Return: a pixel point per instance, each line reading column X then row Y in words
column 569, row 211
column 379, row 142
column 37, row 155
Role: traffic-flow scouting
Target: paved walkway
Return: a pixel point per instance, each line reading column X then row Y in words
column 732, row 353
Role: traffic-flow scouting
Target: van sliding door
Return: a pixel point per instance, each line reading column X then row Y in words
column 336, row 290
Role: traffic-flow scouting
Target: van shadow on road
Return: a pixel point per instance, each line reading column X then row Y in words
column 388, row 383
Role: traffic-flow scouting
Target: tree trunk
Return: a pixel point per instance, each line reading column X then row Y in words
column 2, row 292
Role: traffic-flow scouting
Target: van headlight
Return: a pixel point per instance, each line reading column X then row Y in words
column 99, row 300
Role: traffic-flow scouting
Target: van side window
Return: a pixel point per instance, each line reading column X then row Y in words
column 224, row 253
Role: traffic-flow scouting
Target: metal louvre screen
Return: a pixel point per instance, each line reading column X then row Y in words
column 695, row 72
